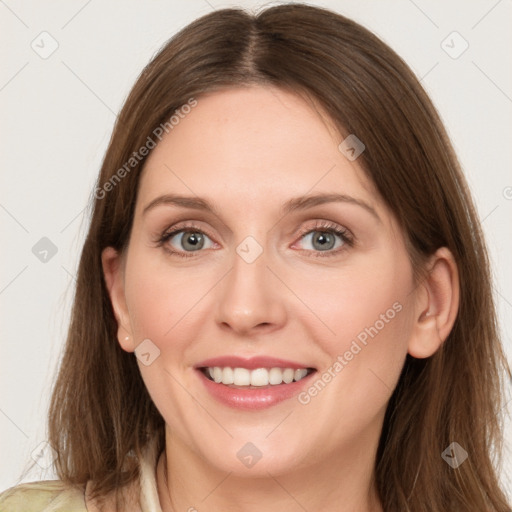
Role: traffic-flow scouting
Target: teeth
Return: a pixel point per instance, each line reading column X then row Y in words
column 275, row 376
column 299, row 374
column 241, row 376
column 228, row 376
column 288, row 375
column 257, row 377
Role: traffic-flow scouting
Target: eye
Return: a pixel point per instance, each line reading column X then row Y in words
column 326, row 237
column 186, row 239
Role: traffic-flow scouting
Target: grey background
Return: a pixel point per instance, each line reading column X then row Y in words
column 58, row 113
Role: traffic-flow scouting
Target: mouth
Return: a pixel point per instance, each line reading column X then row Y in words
column 258, row 378
column 255, row 382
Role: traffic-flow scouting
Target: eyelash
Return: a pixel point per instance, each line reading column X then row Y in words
column 323, row 226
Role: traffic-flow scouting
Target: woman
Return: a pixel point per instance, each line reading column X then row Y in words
column 284, row 299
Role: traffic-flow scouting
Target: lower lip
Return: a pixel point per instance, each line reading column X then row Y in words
column 253, row 398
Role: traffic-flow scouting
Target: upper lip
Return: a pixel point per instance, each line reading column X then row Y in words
column 250, row 363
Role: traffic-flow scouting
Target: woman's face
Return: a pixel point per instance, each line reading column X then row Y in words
column 314, row 284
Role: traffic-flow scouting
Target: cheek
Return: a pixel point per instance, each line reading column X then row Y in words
column 159, row 298
column 365, row 314
column 362, row 301
column 163, row 307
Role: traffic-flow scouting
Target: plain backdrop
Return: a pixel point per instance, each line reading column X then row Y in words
column 57, row 115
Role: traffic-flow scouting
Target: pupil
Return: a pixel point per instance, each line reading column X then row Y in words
column 193, row 240
column 326, row 240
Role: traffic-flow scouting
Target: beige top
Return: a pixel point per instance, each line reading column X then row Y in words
column 54, row 496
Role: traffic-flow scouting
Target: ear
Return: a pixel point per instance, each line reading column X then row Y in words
column 437, row 303
column 113, row 270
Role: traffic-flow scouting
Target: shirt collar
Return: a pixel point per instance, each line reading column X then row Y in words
column 139, row 496
column 149, row 500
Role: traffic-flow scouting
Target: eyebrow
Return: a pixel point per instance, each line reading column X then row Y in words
column 295, row 204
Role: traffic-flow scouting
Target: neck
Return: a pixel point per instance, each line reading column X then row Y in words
column 344, row 482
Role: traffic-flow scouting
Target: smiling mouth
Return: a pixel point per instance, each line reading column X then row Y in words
column 243, row 378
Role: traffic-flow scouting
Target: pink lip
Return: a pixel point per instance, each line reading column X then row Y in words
column 253, row 398
column 251, row 363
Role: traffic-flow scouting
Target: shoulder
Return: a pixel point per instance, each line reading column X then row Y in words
column 44, row 496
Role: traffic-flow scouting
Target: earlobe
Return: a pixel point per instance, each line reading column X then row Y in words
column 436, row 306
column 114, row 280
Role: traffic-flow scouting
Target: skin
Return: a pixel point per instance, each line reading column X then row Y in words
column 248, row 151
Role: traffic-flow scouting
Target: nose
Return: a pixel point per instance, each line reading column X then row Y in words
column 251, row 299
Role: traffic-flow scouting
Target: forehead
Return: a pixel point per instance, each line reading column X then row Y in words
column 252, row 144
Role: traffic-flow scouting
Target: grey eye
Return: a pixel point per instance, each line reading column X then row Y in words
column 323, row 240
column 189, row 241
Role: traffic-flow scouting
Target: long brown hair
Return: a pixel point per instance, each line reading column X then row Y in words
column 101, row 416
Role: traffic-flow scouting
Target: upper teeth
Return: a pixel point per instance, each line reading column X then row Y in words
column 257, row 377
